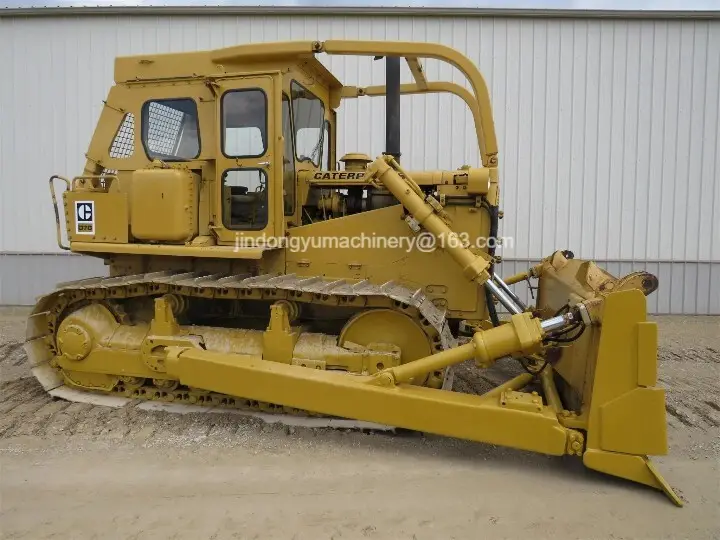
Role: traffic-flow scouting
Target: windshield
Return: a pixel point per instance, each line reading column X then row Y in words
column 309, row 122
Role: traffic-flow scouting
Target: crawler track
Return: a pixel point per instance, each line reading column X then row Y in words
column 114, row 292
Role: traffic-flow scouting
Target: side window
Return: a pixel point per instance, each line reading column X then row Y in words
column 245, row 199
column 309, row 119
column 288, row 159
column 170, row 129
column 244, row 129
column 123, row 144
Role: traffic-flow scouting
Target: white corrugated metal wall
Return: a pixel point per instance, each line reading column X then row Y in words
column 608, row 129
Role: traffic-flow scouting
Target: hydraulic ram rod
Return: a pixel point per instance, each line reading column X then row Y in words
column 503, row 298
column 509, row 292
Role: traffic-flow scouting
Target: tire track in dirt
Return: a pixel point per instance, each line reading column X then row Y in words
column 690, row 377
column 12, row 353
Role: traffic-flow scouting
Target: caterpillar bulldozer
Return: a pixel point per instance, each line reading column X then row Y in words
column 205, row 173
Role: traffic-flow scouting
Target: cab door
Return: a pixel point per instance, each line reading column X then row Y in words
column 249, row 201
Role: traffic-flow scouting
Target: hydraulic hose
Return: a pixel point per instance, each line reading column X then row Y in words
column 494, row 219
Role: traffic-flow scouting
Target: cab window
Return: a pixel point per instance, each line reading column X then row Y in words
column 245, row 199
column 309, row 123
column 244, row 117
column 170, row 129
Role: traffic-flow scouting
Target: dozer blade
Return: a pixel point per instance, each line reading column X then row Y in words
column 627, row 419
column 609, row 373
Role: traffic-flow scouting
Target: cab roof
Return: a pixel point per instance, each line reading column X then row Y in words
column 239, row 58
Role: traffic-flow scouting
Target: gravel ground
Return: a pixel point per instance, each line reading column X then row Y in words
column 70, row 470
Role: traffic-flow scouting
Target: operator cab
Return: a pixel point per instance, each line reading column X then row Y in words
column 217, row 153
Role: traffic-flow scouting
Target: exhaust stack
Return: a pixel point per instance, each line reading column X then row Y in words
column 392, row 106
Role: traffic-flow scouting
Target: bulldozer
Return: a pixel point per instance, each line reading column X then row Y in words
column 248, row 269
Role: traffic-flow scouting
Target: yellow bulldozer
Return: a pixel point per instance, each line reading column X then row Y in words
column 248, row 269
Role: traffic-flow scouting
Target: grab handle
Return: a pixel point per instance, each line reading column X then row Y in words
column 55, row 207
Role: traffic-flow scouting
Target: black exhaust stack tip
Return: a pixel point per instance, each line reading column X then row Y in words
column 392, row 106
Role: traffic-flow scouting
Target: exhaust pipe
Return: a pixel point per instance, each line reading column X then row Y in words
column 392, row 106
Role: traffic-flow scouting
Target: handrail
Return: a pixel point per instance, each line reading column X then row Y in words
column 51, row 183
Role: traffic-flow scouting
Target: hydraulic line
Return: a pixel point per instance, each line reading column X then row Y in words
column 494, row 225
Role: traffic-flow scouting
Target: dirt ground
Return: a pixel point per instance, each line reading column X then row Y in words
column 86, row 471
